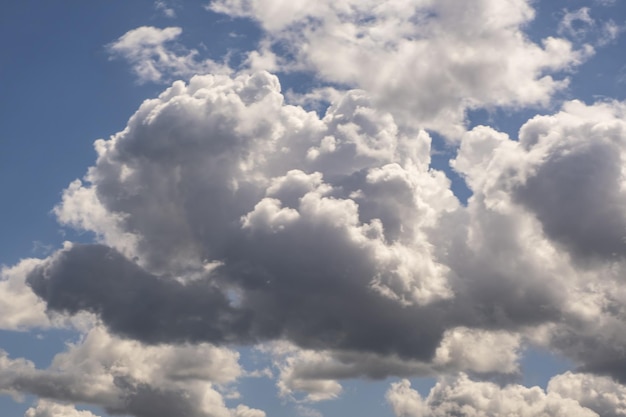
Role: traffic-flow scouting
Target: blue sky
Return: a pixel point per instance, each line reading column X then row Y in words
column 315, row 209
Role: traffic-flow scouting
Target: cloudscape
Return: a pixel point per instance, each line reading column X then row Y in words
column 261, row 208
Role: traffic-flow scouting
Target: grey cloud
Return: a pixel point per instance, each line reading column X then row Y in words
column 574, row 178
column 552, row 225
column 221, row 172
column 228, row 216
column 143, row 400
column 315, row 305
column 134, row 302
column 574, row 194
column 600, row 394
column 492, row 355
column 569, row 394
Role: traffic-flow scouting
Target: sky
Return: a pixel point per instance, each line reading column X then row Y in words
column 268, row 208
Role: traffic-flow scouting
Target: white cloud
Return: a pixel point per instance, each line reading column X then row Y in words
column 162, row 6
column 600, row 394
column 292, row 364
column 479, row 351
column 605, row 2
column 462, row 396
column 45, row 408
column 580, row 26
column 569, row 394
column 317, row 373
column 557, row 199
column 126, row 377
column 245, row 411
column 227, row 214
column 576, row 23
column 20, row 308
column 155, row 56
column 427, row 62
column 609, row 32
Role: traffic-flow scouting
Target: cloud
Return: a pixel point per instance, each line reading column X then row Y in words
column 225, row 216
column 600, row 394
column 576, row 23
column 294, row 244
column 317, row 373
column 578, row 153
column 163, row 7
column 567, row 394
column 263, row 219
column 20, row 308
column 427, row 62
column 580, row 26
column 125, row 377
column 462, row 396
column 46, row 408
column 155, row 57
column 556, row 198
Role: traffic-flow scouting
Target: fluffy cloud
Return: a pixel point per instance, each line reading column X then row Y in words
column 19, row 306
column 317, row 373
column 425, row 61
column 462, row 396
column 126, row 377
column 154, row 56
column 46, row 408
column 264, row 219
column 558, row 197
column 294, row 214
column 568, row 394
column 600, row 394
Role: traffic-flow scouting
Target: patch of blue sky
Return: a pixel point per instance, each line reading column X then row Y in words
column 540, row 365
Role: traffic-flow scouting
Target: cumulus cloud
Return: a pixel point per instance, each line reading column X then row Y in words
column 425, row 61
column 296, row 214
column 557, row 194
column 568, row 394
column 125, row 377
column 45, row 408
column 576, row 23
column 318, row 373
column 600, row 394
column 462, row 396
column 263, row 219
column 20, row 308
column 225, row 216
column 155, row 56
